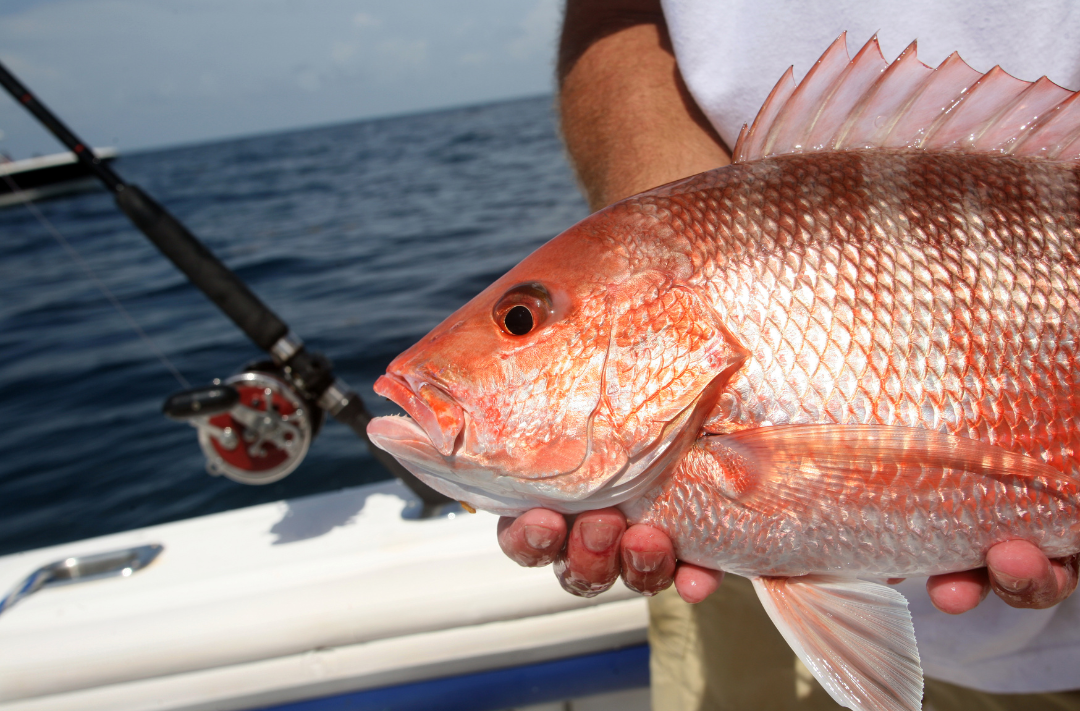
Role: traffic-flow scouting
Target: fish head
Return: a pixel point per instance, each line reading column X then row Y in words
column 571, row 382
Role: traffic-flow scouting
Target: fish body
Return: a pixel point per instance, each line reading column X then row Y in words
column 849, row 356
column 930, row 291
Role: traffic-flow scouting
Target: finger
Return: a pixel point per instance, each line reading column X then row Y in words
column 954, row 593
column 1067, row 571
column 648, row 559
column 534, row 538
column 695, row 583
column 589, row 564
column 1023, row 576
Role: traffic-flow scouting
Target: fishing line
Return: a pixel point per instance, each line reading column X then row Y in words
column 77, row 258
column 308, row 372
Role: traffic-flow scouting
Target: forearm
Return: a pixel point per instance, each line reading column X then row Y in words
column 628, row 121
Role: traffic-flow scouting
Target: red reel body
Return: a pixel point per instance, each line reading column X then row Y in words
column 264, row 436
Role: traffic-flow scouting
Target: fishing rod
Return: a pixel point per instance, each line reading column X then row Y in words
column 255, row 427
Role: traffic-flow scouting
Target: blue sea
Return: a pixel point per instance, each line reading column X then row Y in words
column 361, row 237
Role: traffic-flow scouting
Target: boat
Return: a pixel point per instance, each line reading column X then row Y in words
column 338, row 600
column 370, row 597
column 48, row 176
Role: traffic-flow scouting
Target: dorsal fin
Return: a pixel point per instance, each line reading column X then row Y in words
column 752, row 141
column 806, row 101
column 867, row 102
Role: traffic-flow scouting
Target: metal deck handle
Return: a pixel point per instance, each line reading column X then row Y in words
column 80, row 569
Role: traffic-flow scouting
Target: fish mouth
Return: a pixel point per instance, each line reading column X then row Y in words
column 432, row 409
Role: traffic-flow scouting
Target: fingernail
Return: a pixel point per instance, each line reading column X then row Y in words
column 599, row 537
column 577, row 585
column 1014, row 585
column 539, row 537
column 646, row 561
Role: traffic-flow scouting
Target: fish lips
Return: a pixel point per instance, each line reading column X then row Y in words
column 433, row 410
column 450, row 476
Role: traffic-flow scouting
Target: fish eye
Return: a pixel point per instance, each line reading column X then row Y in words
column 518, row 320
column 522, row 309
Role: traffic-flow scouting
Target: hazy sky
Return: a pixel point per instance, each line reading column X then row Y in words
column 145, row 73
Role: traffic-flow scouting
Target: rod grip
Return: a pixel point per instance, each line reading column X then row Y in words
column 204, row 270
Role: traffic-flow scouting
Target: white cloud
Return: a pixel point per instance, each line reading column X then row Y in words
column 308, row 80
column 404, row 53
column 342, row 52
column 363, row 19
column 538, row 29
column 159, row 72
column 473, row 58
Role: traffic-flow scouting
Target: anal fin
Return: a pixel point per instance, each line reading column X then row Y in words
column 854, row 636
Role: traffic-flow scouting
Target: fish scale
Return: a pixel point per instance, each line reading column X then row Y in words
column 794, row 374
column 907, row 532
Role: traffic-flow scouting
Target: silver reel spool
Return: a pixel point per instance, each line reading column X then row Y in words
column 264, row 436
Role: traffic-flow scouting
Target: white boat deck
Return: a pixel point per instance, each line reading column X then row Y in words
column 293, row 600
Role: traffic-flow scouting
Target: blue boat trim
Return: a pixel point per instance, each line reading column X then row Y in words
column 574, row 677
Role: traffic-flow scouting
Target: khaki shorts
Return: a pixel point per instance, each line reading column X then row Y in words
column 725, row 655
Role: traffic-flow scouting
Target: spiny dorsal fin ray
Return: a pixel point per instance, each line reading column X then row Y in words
column 867, row 103
column 807, row 100
column 751, row 141
column 1037, row 100
column 859, row 76
column 1052, row 133
column 943, row 88
column 883, row 102
column 977, row 110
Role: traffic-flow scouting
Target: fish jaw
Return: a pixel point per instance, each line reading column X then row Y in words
column 605, row 476
column 425, row 442
column 438, row 416
column 480, row 483
column 436, row 444
column 410, row 445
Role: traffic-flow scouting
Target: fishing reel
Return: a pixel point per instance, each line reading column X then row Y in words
column 254, row 428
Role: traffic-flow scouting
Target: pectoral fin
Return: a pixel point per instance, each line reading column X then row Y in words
column 808, row 467
column 856, row 637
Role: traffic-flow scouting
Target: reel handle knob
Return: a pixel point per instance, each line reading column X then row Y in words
column 201, row 402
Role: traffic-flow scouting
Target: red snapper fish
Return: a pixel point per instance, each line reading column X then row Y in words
column 850, row 355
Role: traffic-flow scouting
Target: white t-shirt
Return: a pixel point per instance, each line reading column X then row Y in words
column 731, row 53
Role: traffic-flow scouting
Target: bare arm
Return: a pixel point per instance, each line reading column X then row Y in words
column 628, row 121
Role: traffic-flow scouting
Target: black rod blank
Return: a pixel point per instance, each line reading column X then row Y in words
column 56, row 126
column 210, row 276
column 199, row 264
column 168, row 234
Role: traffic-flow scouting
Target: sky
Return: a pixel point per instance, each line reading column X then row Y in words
column 140, row 74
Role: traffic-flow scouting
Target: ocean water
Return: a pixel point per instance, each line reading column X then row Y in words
column 361, row 237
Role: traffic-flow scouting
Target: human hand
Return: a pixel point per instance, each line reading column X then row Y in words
column 1016, row 570
column 599, row 548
